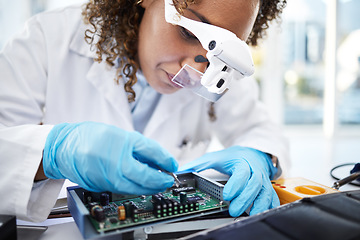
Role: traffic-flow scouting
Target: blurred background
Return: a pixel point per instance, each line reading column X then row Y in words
column 308, row 69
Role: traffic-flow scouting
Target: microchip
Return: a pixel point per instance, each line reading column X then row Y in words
column 177, row 191
column 113, row 220
column 194, row 199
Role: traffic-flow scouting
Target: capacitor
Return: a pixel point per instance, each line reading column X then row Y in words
column 128, row 208
column 104, row 199
column 183, row 197
column 121, row 213
column 99, row 214
column 92, row 209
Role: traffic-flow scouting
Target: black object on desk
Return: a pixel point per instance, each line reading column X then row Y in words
column 8, row 227
column 331, row 216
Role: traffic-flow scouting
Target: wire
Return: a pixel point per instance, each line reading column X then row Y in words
column 354, row 183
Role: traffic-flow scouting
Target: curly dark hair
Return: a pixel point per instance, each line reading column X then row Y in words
column 115, row 26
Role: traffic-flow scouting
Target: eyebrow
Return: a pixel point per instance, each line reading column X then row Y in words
column 201, row 17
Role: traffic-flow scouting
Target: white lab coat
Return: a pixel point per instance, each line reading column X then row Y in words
column 48, row 75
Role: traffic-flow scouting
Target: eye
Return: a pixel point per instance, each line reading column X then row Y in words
column 187, row 34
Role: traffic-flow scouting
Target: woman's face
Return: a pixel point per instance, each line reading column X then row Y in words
column 164, row 48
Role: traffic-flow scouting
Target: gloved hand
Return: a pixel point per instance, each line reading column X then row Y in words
column 102, row 157
column 249, row 170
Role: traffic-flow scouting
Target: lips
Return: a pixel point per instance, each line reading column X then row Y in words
column 171, row 76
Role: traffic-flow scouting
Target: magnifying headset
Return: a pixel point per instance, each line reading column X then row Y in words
column 228, row 56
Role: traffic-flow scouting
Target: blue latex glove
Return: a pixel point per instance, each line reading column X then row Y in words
column 102, row 157
column 249, row 170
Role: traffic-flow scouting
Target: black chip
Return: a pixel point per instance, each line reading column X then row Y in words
column 194, row 199
column 113, row 220
column 177, row 191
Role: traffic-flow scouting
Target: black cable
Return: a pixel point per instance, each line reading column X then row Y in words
column 354, row 183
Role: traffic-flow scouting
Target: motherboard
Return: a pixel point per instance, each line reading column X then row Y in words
column 195, row 196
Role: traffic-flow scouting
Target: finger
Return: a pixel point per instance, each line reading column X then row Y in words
column 151, row 152
column 275, row 200
column 237, row 181
column 145, row 176
column 206, row 161
column 262, row 202
column 266, row 199
column 247, row 196
column 196, row 165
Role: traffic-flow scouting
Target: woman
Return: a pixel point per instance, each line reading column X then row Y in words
column 64, row 117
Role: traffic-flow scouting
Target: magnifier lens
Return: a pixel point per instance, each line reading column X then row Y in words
column 190, row 78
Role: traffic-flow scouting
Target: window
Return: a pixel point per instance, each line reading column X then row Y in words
column 348, row 54
column 294, row 71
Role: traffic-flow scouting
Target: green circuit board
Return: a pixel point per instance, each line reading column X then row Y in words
column 128, row 212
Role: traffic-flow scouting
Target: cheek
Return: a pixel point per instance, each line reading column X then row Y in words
column 158, row 44
column 156, row 51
